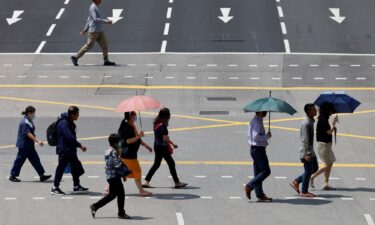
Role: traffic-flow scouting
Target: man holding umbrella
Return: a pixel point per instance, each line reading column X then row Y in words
column 258, row 140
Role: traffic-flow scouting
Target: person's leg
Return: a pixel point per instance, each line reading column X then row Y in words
column 63, row 162
column 91, row 39
column 18, row 163
column 327, row 173
column 317, row 173
column 35, row 162
column 120, row 197
column 261, row 160
column 155, row 166
column 77, row 169
column 172, row 166
column 113, row 189
column 306, row 176
column 102, row 41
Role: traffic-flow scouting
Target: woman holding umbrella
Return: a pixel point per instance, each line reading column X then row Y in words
column 163, row 149
column 324, row 132
column 131, row 140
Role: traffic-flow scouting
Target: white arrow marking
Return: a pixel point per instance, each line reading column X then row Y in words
column 225, row 18
column 336, row 15
column 15, row 16
column 116, row 15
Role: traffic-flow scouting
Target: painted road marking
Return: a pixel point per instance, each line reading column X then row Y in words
column 95, row 197
column 42, row 77
column 58, row 16
column 39, row 198
column 28, row 65
column 254, row 78
column 200, row 176
column 273, row 66
column 347, row 199
column 10, row 198
column 314, row 65
column 226, row 177
column 151, row 64
column 206, row 197
column 361, row 179
column 66, row 2
column 169, row 77
column 369, row 219
column 335, row 178
column 178, row 197
column 40, row 47
column 280, row 177
column 211, row 65
column 355, row 65
column 163, row 46
column 93, row 177
column 293, row 65
column 333, row 65
column 287, row 46
column 171, row 65
column 50, row 30
column 169, row 13
column 340, row 78
column 253, row 65
column 232, row 65
column 235, row 197
column 7, row 65
column 283, row 28
column 280, row 10
column 297, row 78
column 166, row 29
column 319, row 78
column 212, row 78
column 180, row 218
column 192, row 65
column 67, row 198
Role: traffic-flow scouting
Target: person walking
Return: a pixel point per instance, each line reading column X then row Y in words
column 115, row 170
column 258, row 140
column 131, row 140
column 324, row 133
column 307, row 153
column 163, row 149
column 95, row 34
column 26, row 141
column 66, row 149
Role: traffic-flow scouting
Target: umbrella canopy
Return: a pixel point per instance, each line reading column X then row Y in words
column 138, row 103
column 342, row 102
column 270, row 105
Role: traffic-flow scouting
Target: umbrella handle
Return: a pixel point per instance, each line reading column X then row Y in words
column 269, row 117
column 140, row 119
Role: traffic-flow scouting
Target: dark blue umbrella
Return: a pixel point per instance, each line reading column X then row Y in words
column 342, row 102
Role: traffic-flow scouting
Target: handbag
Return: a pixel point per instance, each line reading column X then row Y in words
column 123, row 171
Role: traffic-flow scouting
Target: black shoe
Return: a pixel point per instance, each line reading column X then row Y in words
column 109, row 63
column 80, row 189
column 125, row 216
column 44, row 178
column 57, row 191
column 74, row 60
column 14, row 179
column 93, row 210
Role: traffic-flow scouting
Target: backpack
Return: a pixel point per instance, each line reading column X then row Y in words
column 52, row 133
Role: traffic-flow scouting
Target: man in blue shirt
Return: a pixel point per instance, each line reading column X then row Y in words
column 258, row 140
column 95, row 34
column 66, row 148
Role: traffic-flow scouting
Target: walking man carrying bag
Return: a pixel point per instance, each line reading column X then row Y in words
column 95, row 34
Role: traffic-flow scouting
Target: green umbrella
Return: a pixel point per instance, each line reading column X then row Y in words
column 270, row 105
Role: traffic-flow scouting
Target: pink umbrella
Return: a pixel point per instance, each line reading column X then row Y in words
column 138, row 103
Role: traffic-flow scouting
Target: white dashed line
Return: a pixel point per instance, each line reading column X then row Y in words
column 50, row 30
column 319, row 198
column 280, row 10
column 283, row 28
column 169, row 77
column 355, row 65
column 340, row 78
column 235, row 197
column 131, row 64
column 192, row 65
column 206, row 197
column 373, row 65
column 170, row 1
column 191, row 78
column 232, row 65
column 39, row 198
column 149, row 77
column 166, row 29
column 372, row 199
column 314, row 65
column 68, row 64
column 66, row 2
column 40, row 47
column 128, row 76
column 2, row 76
column 180, row 219
column 276, row 78
column 280, row 177
column 85, row 77
column 369, row 219
column 7, row 65
column 169, row 13
column 226, row 176
column 42, row 77
column 335, row 178
column 48, row 64
column 287, row 46
column 361, row 78
column 254, row 78
column 151, row 64
column 63, row 77
column 93, row 177
column 171, row 65
column 318, row 78
column 361, row 178
column 107, row 76
column 67, row 198
column 21, row 76
column 233, row 78
column 347, row 199
column 273, row 66
column 333, row 65
column 212, row 78
column 163, row 46
column 253, row 65
column 211, row 65
column 67, row 176
column 200, row 176
column 60, row 13
column 28, row 65
column 95, row 197
column 297, row 78
column 293, row 65
column 290, row 198
column 10, row 198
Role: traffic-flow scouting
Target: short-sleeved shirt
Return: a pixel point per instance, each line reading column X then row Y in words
column 159, row 132
column 321, row 130
column 130, row 151
column 26, row 126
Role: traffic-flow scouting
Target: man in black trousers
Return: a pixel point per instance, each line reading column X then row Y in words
column 66, row 148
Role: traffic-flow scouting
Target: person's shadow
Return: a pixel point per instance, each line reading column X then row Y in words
column 132, row 217
column 357, row 189
column 169, row 196
column 300, row 201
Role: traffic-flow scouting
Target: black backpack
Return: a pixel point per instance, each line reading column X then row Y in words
column 52, row 133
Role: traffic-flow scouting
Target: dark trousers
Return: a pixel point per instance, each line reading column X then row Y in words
column 32, row 156
column 310, row 168
column 162, row 152
column 116, row 189
column 261, row 169
column 75, row 165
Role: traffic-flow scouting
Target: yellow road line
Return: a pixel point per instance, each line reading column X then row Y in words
column 89, row 86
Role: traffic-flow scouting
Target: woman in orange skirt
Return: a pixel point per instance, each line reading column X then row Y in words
column 131, row 140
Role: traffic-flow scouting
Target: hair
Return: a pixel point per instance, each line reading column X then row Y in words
column 308, row 107
column 29, row 109
column 73, row 110
column 128, row 115
column 163, row 117
column 325, row 110
column 113, row 140
column 262, row 113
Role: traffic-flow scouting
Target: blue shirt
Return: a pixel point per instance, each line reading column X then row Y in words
column 26, row 126
column 256, row 133
column 94, row 21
